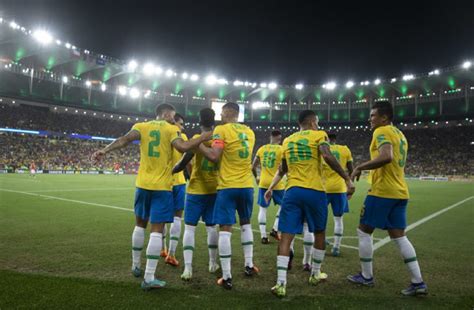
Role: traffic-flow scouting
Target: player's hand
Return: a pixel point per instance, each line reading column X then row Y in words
column 97, row 156
column 268, row 195
column 350, row 188
column 257, row 180
column 356, row 174
column 206, row 136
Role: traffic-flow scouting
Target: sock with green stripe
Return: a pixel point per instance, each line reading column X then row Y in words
column 138, row 238
column 262, row 222
column 225, row 253
column 246, row 237
column 188, row 246
column 282, row 268
column 175, row 233
column 409, row 255
column 308, row 240
column 318, row 257
column 152, row 255
column 277, row 217
column 212, row 241
column 338, row 231
column 366, row 252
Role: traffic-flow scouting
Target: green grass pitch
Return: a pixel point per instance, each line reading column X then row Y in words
column 65, row 242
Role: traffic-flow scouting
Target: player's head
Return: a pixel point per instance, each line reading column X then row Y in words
column 206, row 118
column 275, row 137
column 230, row 112
column 165, row 112
column 179, row 121
column 381, row 114
column 308, row 120
column 332, row 137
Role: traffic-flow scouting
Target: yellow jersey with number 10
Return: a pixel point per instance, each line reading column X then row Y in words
column 235, row 166
column 270, row 160
column 333, row 182
column 388, row 181
column 178, row 178
column 156, row 153
column 203, row 179
column 301, row 152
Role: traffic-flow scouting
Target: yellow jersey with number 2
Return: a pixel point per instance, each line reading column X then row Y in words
column 333, row 182
column 156, row 152
column 270, row 160
column 235, row 166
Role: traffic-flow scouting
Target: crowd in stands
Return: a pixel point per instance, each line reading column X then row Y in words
column 432, row 151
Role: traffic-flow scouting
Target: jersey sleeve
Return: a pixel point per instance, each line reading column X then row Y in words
column 322, row 138
column 349, row 154
column 381, row 136
column 174, row 133
column 218, row 137
column 259, row 152
column 137, row 127
column 284, row 147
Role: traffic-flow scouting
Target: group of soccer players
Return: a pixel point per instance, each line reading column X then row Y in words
column 318, row 172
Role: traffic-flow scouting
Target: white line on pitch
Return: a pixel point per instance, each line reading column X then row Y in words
column 82, row 190
column 386, row 240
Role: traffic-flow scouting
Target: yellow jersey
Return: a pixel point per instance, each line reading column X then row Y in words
column 235, row 166
column 301, row 152
column 203, row 178
column 333, row 182
column 156, row 152
column 178, row 178
column 389, row 181
column 270, row 160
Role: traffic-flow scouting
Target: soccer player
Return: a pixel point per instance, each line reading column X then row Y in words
column 179, row 190
column 200, row 199
column 336, row 190
column 153, row 196
column 386, row 202
column 305, row 197
column 116, row 168
column 232, row 148
column 32, row 169
column 269, row 158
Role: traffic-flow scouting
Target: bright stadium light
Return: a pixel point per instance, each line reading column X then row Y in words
column 254, row 85
column 169, row 73
column 132, row 66
column 434, row 72
column 42, row 36
column 393, row 80
column 408, row 77
column 134, row 93
column 330, row 85
column 65, row 79
column 377, row 82
column 58, row 42
column 14, row 25
column 148, row 69
column 299, row 86
column 222, row 81
column 185, row 76
column 263, row 85
column 466, row 64
column 194, row 77
column 211, row 79
column 122, row 90
column 103, row 87
column 68, row 45
column 88, row 83
column 364, row 83
column 272, row 85
column 238, row 83
column 158, row 70
column 349, row 84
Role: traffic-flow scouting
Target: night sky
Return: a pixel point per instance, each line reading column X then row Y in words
column 288, row 42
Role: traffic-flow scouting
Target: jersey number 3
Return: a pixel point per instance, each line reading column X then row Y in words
column 244, row 153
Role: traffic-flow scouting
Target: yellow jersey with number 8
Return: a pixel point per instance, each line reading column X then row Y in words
column 203, row 179
column 156, row 152
column 333, row 182
column 270, row 160
column 235, row 166
column 301, row 152
column 388, row 181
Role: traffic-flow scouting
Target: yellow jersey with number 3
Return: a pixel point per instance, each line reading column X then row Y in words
column 301, row 152
column 270, row 159
column 203, row 179
column 235, row 166
column 388, row 181
column 156, row 153
column 333, row 182
column 178, row 178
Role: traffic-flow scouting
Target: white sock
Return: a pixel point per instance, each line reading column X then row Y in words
column 165, row 232
column 152, row 255
column 225, row 253
column 318, row 257
column 277, row 217
column 246, row 237
column 282, row 268
column 262, row 221
column 212, row 241
column 308, row 240
column 138, row 238
column 338, row 231
column 175, row 233
column 292, row 245
column 188, row 246
column 366, row 252
column 409, row 255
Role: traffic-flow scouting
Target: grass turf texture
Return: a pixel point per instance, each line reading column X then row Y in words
column 60, row 253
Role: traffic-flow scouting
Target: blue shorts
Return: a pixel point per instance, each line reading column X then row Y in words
column 230, row 200
column 179, row 193
column 339, row 203
column 277, row 197
column 303, row 204
column 156, row 206
column 384, row 213
column 199, row 206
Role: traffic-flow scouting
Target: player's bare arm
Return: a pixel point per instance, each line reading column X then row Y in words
column 183, row 162
column 213, row 153
column 385, row 157
column 255, row 163
column 119, row 143
column 282, row 170
column 185, row 146
column 334, row 164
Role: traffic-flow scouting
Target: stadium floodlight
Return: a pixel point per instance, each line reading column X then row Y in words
column 211, row 79
column 299, row 86
column 254, row 85
column 364, row 83
column 42, row 36
column 158, row 70
column 68, row 45
column 377, row 82
column 148, row 69
column 330, row 85
column 14, row 25
column 88, row 83
column 122, row 90
column 349, row 84
column 58, row 42
column 238, row 83
column 272, row 85
column 393, row 80
column 408, row 77
column 134, row 93
column 466, row 64
column 169, row 73
column 185, row 75
column 246, row 83
column 222, row 81
column 263, row 85
column 434, row 72
column 65, row 79
column 103, row 87
column 147, row 94
column 194, row 77
column 132, row 66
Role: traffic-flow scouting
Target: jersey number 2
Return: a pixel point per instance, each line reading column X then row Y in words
column 155, row 135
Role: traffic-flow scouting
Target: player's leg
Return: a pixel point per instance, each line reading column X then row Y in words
column 244, row 209
column 193, row 211
column 175, row 229
column 262, row 215
column 164, row 248
column 212, row 234
column 142, row 213
column 308, row 241
column 338, row 204
column 277, row 200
